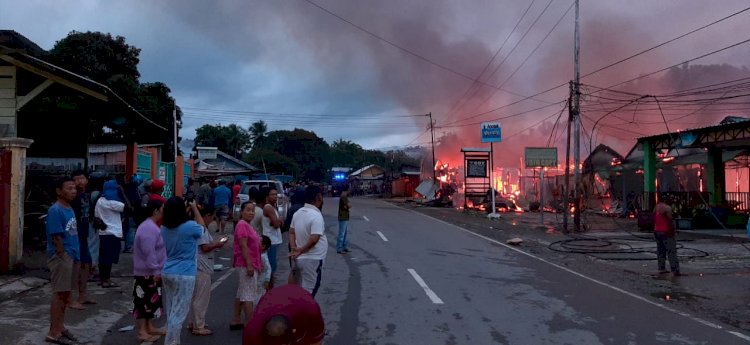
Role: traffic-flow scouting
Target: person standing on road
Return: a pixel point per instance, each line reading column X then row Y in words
column 62, row 255
column 109, row 209
column 272, row 225
column 202, row 293
column 664, row 233
column 82, row 208
column 247, row 264
column 297, row 200
column 310, row 245
column 222, row 203
column 149, row 256
column 180, row 236
column 342, row 246
column 260, row 200
column 286, row 315
column 236, row 189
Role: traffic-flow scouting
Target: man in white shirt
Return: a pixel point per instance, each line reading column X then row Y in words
column 308, row 239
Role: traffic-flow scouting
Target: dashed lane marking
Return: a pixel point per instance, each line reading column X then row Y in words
column 640, row 298
column 221, row 279
column 431, row 294
column 382, row 236
column 365, row 217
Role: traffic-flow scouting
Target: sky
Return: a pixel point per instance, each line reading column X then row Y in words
column 294, row 64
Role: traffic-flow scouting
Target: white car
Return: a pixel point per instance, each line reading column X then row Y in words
column 282, row 204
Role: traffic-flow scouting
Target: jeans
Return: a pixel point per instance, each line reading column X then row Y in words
column 128, row 230
column 341, row 242
column 273, row 253
column 666, row 247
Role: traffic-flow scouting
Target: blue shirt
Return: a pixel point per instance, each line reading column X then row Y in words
column 61, row 221
column 222, row 196
column 181, row 244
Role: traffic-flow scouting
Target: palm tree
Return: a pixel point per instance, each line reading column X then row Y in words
column 258, row 131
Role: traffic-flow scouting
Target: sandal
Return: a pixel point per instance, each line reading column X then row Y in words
column 202, row 332
column 59, row 340
column 89, row 302
column 150, row 339
column 236, row 327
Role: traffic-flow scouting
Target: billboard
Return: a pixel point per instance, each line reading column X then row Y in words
column 476, row 168
column 536, row 157
column 491, row 132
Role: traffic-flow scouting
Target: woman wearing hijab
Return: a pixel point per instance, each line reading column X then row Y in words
column 107, row 214
column 149, row 256
column 180, row 235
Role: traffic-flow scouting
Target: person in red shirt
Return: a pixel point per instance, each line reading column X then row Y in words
column 664, row 234
column 285, row 315
column 236, row 190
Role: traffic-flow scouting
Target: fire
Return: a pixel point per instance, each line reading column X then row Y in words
column 443, row 178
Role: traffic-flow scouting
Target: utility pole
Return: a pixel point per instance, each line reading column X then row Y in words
column 577, row 123
column 432, row 132
column 566, row 188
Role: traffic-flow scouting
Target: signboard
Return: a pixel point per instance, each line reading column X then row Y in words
column 206, row 152
column 536, row 157
column 491, row 132
column 163, row 173
column 476, row 168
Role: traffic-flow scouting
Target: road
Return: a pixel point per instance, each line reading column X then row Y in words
column 412, row 279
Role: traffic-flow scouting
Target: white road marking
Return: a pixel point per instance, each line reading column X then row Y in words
column 221, row 279
column 382, row 236
column 365, row 217
column 640, row 298
column 740, row 335
column 431, row 294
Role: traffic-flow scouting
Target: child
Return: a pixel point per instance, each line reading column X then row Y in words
column 265, row 284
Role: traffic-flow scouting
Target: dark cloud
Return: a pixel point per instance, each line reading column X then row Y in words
column 288, row 56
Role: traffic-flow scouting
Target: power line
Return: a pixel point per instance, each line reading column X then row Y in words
column 417, row 55
column 664, row 43
column 500, row 118
column 491, row 95
column 223, row 111
column 618, row 62
column 492, row 59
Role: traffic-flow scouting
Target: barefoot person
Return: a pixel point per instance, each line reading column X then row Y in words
column 62, row 254
column 149, row 256
column 247, row 263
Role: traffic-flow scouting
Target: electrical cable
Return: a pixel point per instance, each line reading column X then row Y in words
column 417, row 55
column 452, row 108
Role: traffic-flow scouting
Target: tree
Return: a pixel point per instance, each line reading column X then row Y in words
column 113, row 62
column 258, row 132
column 304, row 147
column 231, row 139
column 272, row 162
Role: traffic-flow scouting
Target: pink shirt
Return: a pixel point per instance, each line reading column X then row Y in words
column 662, row 218
column 244, row 230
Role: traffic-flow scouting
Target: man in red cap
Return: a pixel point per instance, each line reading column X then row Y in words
column 157, row 187
column 286, row 315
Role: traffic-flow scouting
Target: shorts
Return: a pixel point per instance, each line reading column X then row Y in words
column 83, row 243
column 222, row 212
column 63, row 273
column 248, row 287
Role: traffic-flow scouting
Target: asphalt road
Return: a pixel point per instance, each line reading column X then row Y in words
column 412, row 279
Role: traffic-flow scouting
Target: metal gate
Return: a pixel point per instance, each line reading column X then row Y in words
column 143, row 169
column 5, row 176
column 166, row 174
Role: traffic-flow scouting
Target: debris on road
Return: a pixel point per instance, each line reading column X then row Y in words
column 514, row 241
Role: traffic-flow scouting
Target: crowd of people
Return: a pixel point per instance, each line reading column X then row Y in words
column 173, row 241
